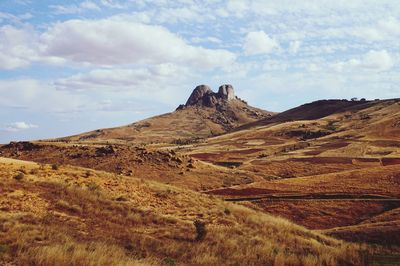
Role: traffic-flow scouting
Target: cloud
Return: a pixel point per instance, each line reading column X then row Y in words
column 112, row 4
column 118, row 42
column 294, row 47
column 378, row 61
column 384, row 29
column 73, row 9
column 18, row 126
column 258, row 42
column 35, row 95
column 150, row 78
column 17, row 47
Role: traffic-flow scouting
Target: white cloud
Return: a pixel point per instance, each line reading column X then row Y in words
column 378, row 61
column 208, row 39
column 35, row 95
column 73, row 9
column 294, row 47
column 126, row 79
column 384, row 29
column 258, row 42
column 112, row 4
column 118, row 42
column 18, row 126
column 17, row 47
column 237, row 7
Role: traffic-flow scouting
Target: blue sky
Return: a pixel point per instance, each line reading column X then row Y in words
column 71, row 66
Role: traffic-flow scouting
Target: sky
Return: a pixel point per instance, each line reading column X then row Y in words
column 68, row 67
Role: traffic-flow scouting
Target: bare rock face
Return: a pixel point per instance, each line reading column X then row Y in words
column 198, row 94
column 226, row 92
column 202, row 95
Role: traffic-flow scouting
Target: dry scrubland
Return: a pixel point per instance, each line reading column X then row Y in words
column 330, row 166
column 66, row 215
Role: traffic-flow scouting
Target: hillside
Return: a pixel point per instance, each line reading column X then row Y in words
column 76, row 216
column 334, row 171
column 205, row 114
column 315, row 110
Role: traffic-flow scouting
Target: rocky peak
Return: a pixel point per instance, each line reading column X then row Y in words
column 202, row 95
column 198, row 94
column 226, row 92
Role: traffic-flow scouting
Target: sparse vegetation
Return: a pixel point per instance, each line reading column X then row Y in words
column 201, row 231
column 72, row 253
column 93, row 187
column 4, row 249
column 168, row 262
column 88, row 174
column 147, row 230
column 227, row 211
column 61, row 204
column 55, row 167
column 79, row 216
column 19, row 176
column 34, row 171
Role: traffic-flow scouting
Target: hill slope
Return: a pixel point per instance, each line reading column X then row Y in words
column 205, row 114
column 335, row 171
column 75, row 216
column 315, row 110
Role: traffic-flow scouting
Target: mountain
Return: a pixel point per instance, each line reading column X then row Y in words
column 205, row 114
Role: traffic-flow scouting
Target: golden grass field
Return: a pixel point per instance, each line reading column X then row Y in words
column 76, row 216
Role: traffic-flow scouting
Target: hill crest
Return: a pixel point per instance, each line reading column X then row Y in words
column 203, row 96
column 205, row 114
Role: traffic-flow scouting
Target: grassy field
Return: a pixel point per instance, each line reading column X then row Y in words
column 74, row 216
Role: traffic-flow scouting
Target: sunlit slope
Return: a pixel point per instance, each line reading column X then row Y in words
column 53, row 216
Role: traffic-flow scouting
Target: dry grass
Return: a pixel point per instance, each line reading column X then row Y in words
column 75, row 225
column 71, row 253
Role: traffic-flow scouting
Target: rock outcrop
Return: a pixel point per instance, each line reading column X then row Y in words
column 226, row 92
column 199, row 93
column 202, row 95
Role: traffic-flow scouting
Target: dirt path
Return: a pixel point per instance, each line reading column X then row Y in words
column 317, row 197
column 16, row 162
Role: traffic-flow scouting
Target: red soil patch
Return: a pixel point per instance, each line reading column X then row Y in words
column 314, row 152
column 206, row 156
column 242, row 192
column 324, row 160
column 248, row 151
column 390, row 161
column 386, row 143
column 217, row 156
column 334, row 145
column 325, row 214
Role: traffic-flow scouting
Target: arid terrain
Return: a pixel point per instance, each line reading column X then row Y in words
column 315, row 185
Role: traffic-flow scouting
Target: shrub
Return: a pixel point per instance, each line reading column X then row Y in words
column 200, row 230
column 19, row 176
column 168, row 262
column 4, row 249
column 55, row 167
column 34, row 171
column 23, row 170
column 121, row 198
column 227, row 211
column 61, row 204
column 93, row 186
